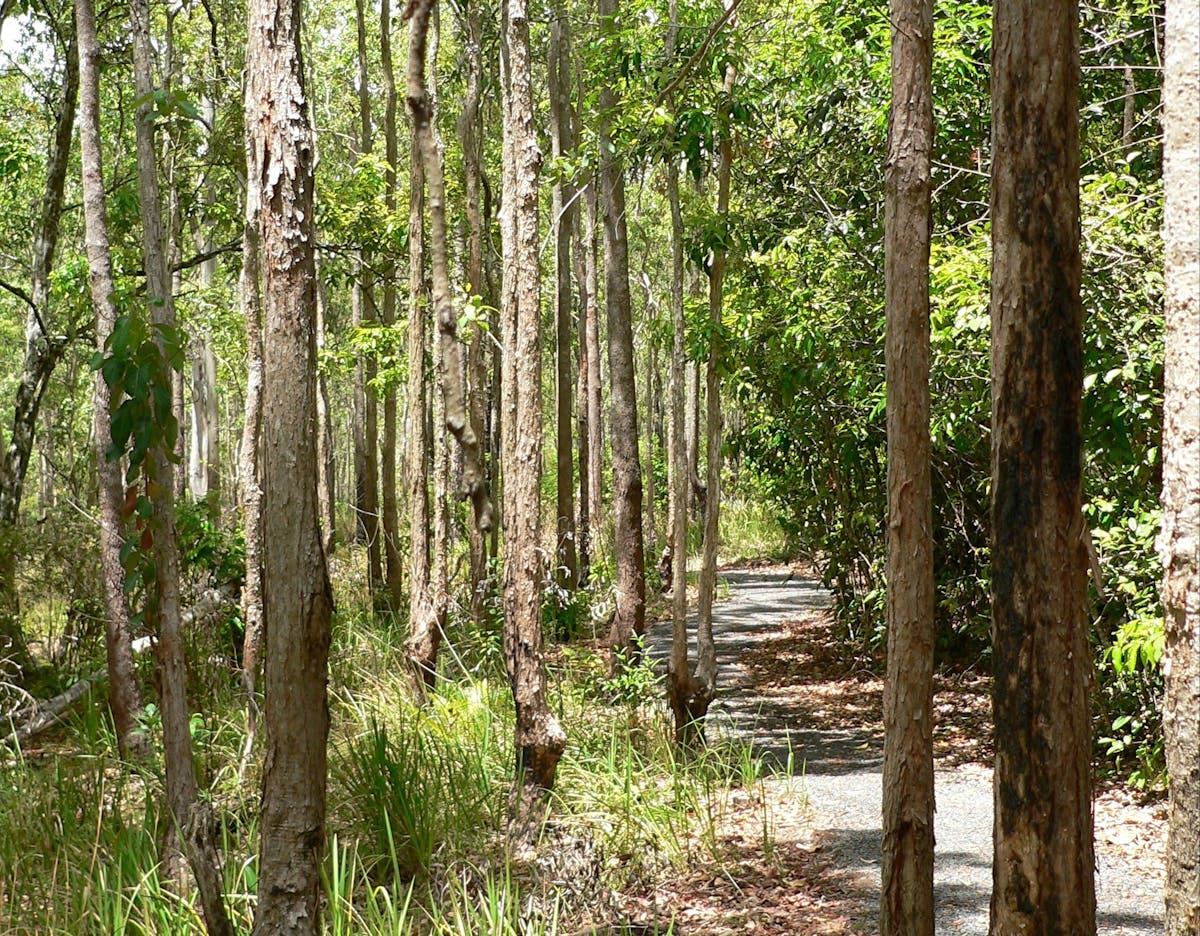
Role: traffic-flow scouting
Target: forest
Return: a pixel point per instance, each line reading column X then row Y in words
column 529, row 467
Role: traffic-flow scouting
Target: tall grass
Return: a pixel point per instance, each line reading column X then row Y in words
column 417, row 799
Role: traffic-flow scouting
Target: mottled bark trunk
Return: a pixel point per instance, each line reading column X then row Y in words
column 651, row 387
column 583, row 523
column 424, row 634
column 297, row 599
column 907, row 866
column 539, row 738
column 42, row 354
column 423, row 643
column 629, row 620
column 1179, row 543
column 193, row 817
column 387, row 450
column 1043, row 865
column 469, row 136
column 250, row 461
column 204, row 463
column 326, row 493
column 562, row 141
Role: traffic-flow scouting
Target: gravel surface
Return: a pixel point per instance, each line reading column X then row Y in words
column 843, row 778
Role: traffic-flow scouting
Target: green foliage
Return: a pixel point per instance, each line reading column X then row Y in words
column 206, row 548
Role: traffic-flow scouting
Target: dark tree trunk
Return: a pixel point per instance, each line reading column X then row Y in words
column 629, row 621
column 907, row 867
column 297, row 599
column 1043, row 864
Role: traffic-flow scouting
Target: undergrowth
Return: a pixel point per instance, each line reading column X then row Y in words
column 417, row 798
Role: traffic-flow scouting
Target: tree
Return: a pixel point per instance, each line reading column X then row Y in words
column 366, row 407
column 42, row 354
column 562, row 140
column 125, row 697
column 907, row 868
column 297, row 601
column 423, row 646
column 539, row 738
column 387, row 451
column 629, row 619
column 1042, row 869
column 1179, row 541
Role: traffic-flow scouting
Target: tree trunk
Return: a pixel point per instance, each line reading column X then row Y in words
column 539, row 738
column 1043, row 864
column 591, row 337
column 469, row 132
column 907, row 866
column 562, row 141
column 326, row 494
column 387, row 451
column 583, row 524
column 686, row 694
column 1181, row 464
column 629, row 621
column 204, row 466
column 42, row 354
column 423, row 643
column 193, row 817
column 424, row 635
column 298, row 603
column 366, row 409
column 250, row 463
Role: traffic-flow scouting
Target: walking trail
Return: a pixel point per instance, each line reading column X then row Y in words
column 815, row 719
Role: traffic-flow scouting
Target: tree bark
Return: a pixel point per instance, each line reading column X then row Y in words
column 193, row 818
column 250, row 462
column 297, row 599
column 539, row 738
column 366, row 407
column 562, row 141
column 1043, row 865
column 583, row 523
column 42, row 354
column 591, row 337
column 387, row 450
column 470, row 134
column 629, row 621
column 1179, row 542
column 907, row 865
column 326, row 493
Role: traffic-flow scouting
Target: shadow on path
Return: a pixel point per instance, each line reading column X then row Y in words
column 782, row 688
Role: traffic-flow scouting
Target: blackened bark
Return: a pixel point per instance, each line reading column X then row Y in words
column 1043, row 864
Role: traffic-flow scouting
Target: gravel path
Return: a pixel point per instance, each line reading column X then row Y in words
column 842, row 773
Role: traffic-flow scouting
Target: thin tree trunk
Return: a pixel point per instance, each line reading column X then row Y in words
column 424, row 634
column 193, row 816
column 562, row 141
column 326, row 494
column 1178, row 543
column 539, row 738
column 629, row 621
column 583, row 424
column 469, row 132
column 250, row 463
column 366, row 408
column 42, row 354
column 1043, row 865
column 387, row 451
column 907, row 866
column 424, row 641
column 648, row 512
column 591, row 338
column 297, row 599
column 705, row 674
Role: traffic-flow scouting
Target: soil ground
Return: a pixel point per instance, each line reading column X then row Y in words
column 802, row 846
